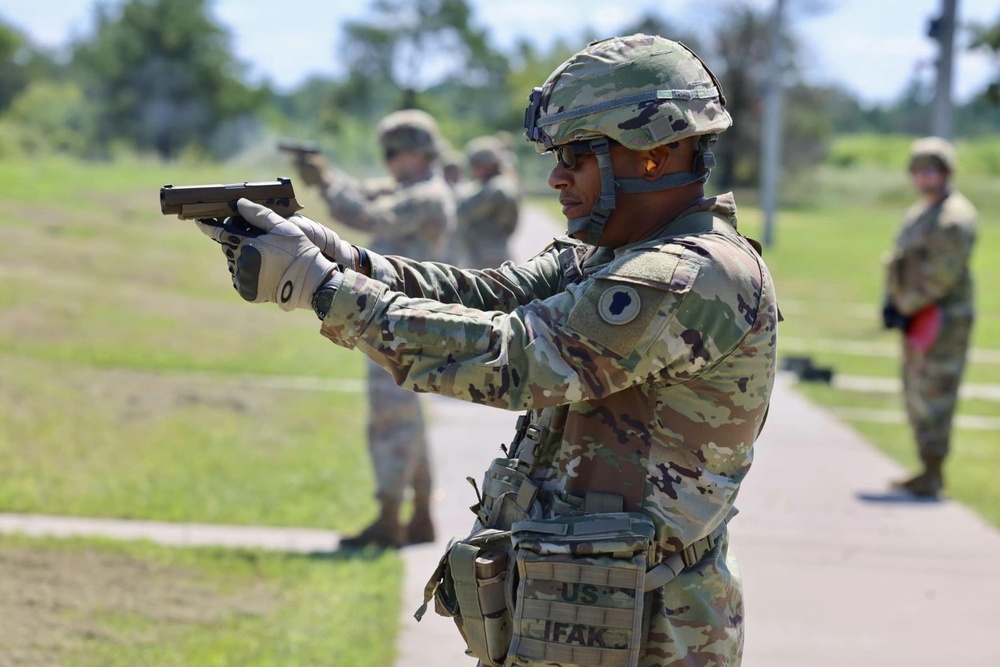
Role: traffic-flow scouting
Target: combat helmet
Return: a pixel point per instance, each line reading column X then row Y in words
column 486, row 150
column 411, row 131
column 641, row 91
column 935, row 148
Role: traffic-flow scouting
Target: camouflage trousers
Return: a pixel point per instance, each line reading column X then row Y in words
column 930, row 384
column 697, row 618
column 397, row 440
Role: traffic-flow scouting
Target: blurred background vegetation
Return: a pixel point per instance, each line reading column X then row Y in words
column 160, row 78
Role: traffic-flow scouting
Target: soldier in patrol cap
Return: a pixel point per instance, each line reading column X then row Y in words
column 642, row 345
column 488, row 205
column 929, row 296
column 411, row 214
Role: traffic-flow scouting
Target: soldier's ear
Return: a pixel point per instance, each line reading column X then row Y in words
column 657, row 161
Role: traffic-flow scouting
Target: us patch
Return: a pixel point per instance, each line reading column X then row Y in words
column 619, row 304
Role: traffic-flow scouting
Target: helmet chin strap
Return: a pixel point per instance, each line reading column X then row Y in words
column 592, row 226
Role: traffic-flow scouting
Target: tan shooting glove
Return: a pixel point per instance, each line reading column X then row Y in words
column 270, row 258
column 328, row 241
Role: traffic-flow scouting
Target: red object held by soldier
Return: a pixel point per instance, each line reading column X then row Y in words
column 924, row 327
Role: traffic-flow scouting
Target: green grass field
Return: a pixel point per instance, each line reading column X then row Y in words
column 90, row 603
column 135, row 383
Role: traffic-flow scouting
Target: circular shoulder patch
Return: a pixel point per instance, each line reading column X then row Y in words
column 619, row 304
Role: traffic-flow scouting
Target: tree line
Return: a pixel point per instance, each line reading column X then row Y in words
column 160, row 77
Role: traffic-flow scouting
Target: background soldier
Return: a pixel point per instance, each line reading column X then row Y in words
column 929, row 296
column 413, row 215
column 452, row 165
column 488, row 204
column 643, row 347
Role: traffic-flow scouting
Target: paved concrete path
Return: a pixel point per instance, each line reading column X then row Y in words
column 836, row 571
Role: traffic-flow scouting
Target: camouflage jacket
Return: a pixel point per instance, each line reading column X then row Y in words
column 930, row 262
column 413, row 219
column 656, row 358
column 487, row 216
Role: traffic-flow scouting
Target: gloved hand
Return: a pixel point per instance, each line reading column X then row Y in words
column 892, row 318
column 313, row 169
column 328, row 241
column 270, row 258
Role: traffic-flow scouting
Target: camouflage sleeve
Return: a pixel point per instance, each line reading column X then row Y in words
column 511, row 205
column 500, row 289
column 345, row 198
column 403, row 213
column 586, row 342
column 926, row 272
column 492, row 208
column 480, row 202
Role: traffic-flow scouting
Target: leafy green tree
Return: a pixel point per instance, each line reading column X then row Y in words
column 53, row 115
column 162, row 76
column 20, row 63
column 986, row 38
column 408, row 46
column 740, row 47
column 13, row 78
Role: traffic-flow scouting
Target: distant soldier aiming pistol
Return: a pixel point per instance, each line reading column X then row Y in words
column 299, row 148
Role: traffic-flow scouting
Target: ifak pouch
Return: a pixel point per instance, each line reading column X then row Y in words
column 579, row 590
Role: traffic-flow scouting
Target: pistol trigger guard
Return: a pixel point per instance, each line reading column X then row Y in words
column 235, row 224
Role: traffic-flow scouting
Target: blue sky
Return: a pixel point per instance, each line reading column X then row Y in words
column 870, row 46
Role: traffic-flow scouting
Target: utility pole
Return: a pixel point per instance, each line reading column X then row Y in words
column 942, row 30
column 770, row 150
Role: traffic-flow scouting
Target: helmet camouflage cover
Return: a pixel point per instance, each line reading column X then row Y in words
column 410, row 131
column 486, row 150
column 935, row 148
column 641, row 90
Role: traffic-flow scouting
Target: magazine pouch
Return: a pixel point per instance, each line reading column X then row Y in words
column 469, row 586
column 578, row 594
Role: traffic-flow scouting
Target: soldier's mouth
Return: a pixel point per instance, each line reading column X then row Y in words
column 568, row 205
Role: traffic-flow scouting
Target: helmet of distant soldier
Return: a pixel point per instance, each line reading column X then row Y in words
column 641, row 90
column 936, row 150
column 486, row 151
column 410, row 131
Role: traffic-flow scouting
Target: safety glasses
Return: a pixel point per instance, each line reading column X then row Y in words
column 568, row 155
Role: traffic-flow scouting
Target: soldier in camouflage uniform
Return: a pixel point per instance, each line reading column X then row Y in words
column 488, row 204
column 412, row 214
column 452, row 166
column 928, row 294
column 643, row 345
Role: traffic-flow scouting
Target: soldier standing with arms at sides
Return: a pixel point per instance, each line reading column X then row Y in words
column 642, row 346
column 929, row 296
column 488, row 205
column 412, row 215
